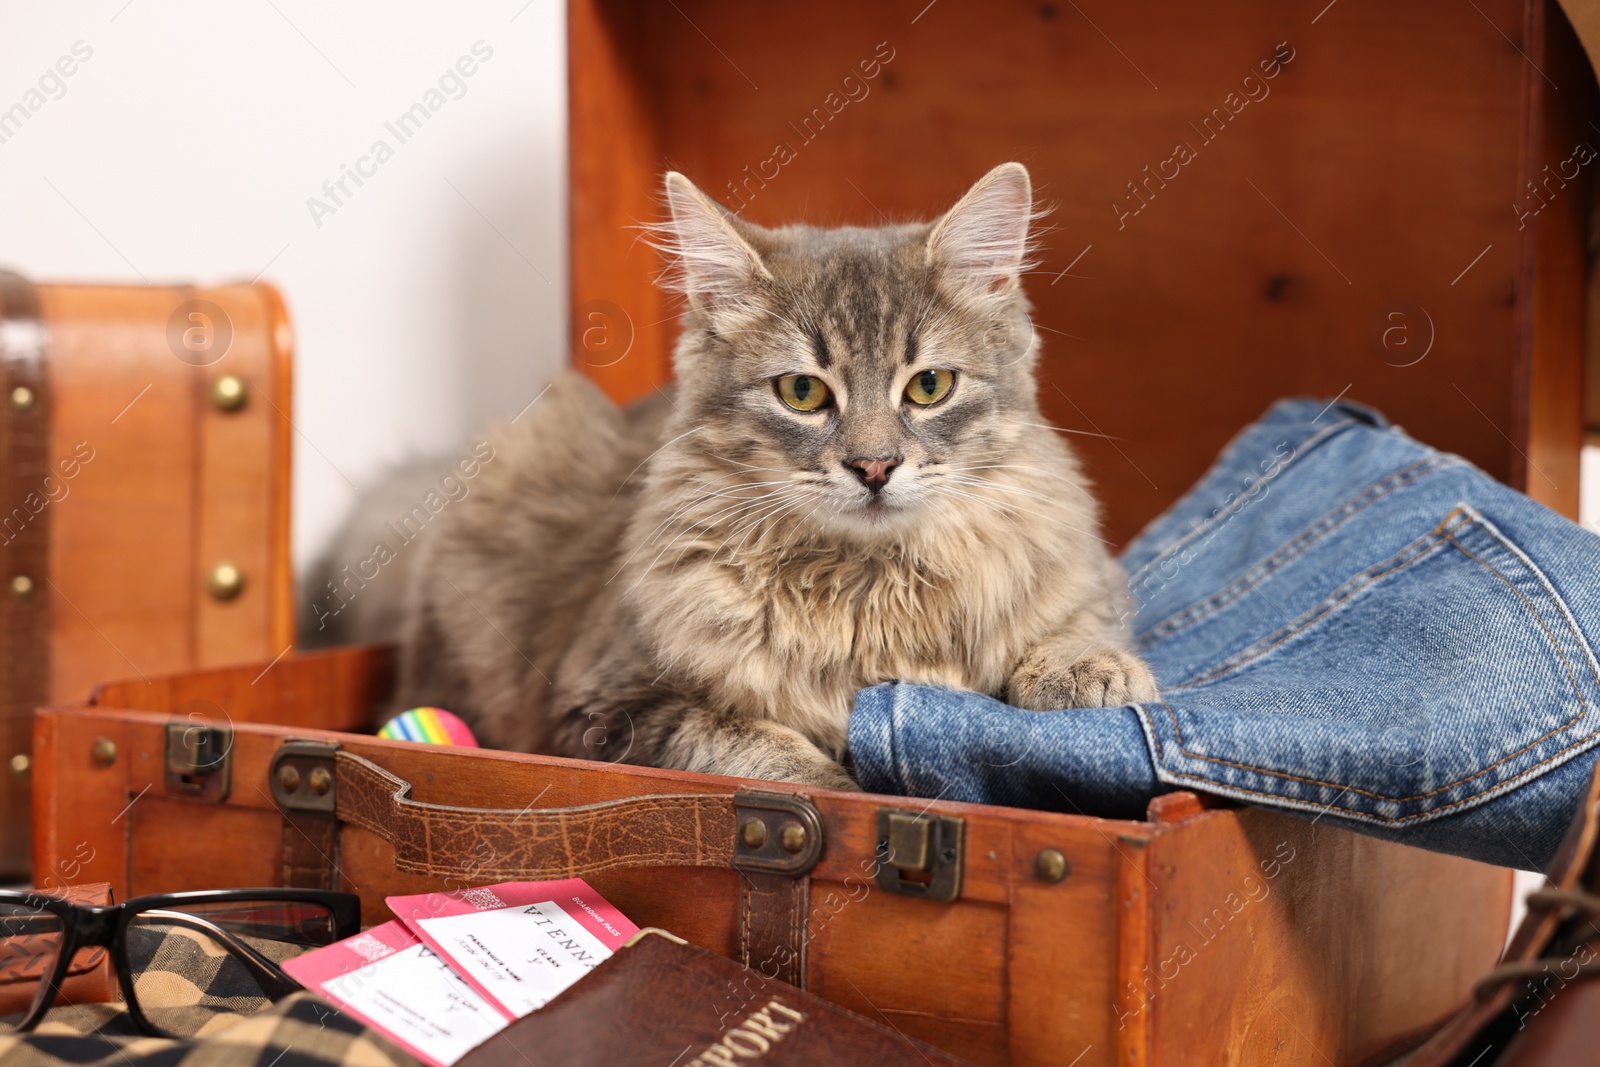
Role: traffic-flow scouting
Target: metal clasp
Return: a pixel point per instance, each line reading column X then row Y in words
column 199, row 761
column 302, row 778
column 920, row 855
column 780, row 833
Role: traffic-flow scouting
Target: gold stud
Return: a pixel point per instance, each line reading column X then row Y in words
column 754, row 832
column 793, row 837
column 229, row 393
column 103, row 751
column 22, row 398
column 22, row 587
column 1050, row 865
column 321, row 781
column 288, row 778
column 225, row 581
column 21, row 764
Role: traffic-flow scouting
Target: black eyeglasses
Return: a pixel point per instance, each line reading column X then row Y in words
column 181, row 958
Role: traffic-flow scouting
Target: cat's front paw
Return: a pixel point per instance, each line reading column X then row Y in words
column 1101, row 678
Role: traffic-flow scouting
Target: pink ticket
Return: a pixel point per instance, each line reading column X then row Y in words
column 518, row 943
column 395, row 984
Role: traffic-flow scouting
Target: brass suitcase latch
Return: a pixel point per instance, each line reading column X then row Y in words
column 920, row 855
column 199, row 761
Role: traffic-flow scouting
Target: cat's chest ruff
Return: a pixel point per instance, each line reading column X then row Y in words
column 877, row 618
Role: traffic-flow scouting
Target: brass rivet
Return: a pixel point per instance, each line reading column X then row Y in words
column 229, row 393
column 225, row 581
column 754, row 833
column 22, row 398
column 22, row 587
column 103, row 751
column 1050, row 865
column 21, row 764
column 321, row 781
column 288, row 778
column 793, row 837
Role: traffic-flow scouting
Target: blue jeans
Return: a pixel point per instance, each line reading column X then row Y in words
column 1345, row 624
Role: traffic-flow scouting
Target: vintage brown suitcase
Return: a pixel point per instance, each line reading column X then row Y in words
column 1202, row 935
column 1386, row 202
column 144, row 495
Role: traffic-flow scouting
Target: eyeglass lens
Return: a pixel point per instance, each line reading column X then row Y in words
column 192, row 966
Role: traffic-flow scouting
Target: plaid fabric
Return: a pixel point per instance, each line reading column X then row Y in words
column 186, row 984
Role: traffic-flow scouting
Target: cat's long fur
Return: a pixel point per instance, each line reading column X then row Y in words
column 702, row 582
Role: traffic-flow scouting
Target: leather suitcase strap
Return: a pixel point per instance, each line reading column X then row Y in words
column 24, row 553
column 773, row 912
column 682, row 830
column 772, row 839
column 310, row 851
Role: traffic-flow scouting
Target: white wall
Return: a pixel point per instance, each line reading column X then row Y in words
column 192, row 138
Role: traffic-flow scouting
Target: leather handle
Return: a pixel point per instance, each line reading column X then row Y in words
column 442, row 840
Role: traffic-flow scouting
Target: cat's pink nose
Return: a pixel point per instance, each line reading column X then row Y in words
column 874, row 473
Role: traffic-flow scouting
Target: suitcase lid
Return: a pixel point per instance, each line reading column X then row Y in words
column 1329, row 205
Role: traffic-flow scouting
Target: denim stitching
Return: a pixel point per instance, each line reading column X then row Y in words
column 1356, row 813
column 1301, row 449
column 1313, row 534
column 1412, row 554
column 1447, row 534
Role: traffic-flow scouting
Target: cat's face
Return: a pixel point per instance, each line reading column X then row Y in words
column 862, row 380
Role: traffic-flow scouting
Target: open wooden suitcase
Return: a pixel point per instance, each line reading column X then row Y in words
column 1203, row 935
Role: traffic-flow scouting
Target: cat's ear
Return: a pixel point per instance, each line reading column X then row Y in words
column 715, row 264
column 981, row 244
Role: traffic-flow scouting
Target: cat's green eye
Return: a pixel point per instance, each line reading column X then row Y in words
column 802, row 392
column 930, row 386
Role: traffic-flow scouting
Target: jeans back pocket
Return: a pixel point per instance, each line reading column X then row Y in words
column 1434, row 679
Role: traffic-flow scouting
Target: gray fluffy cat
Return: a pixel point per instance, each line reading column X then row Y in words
column 850, row 483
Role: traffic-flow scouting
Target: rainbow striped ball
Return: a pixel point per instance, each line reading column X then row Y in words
column 431, row 726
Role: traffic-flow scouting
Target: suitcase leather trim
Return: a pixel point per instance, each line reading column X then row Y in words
column 24, row 538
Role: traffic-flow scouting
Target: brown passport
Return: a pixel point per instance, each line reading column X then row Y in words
column 660, row 1000
column 89, row 977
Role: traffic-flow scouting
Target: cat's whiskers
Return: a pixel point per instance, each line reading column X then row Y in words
column 715, row 494
column 1063, row 429
column 706, row 523
column 1017, row 466
column 799, row 529
column 661, row 529
column 1012, row 487
column 723, row 493
column 741, row 505
column 1031, row 488
column 1004, row 487
column 765, row 519
column 1015, row 507
column 653, row 455
column 688, row 529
